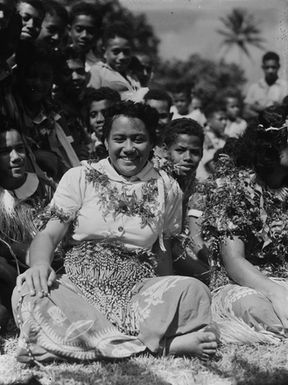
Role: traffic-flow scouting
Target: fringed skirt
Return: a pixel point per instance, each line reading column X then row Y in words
column 109, row 304
column 245, row 316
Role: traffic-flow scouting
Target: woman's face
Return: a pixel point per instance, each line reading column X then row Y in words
column 12, row 158
column 37, row 82
column 186, row 153
column 128, row 145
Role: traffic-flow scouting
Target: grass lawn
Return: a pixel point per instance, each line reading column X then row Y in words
column 249, row 365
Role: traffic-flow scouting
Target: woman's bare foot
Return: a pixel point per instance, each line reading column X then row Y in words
column 202, row 344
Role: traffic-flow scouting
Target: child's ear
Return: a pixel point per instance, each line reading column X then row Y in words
column 106, row 144
column 69, row 29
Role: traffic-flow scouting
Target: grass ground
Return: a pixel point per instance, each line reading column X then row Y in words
column 234, row 365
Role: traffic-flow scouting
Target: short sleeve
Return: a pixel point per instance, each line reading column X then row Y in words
column 173, row 208
column 68, row 196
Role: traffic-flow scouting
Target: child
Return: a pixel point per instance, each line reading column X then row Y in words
column 182, row 105
column 114, row 72
column 53, row 27
column 161, row 101
column 214, row 139
column 84, row 30
column 95, row 105
column 236, row 126
column 32, row 13
column 184, row 143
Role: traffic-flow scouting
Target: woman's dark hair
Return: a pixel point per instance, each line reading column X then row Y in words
column 145, row 113
column 260, row 148
column 182, row 126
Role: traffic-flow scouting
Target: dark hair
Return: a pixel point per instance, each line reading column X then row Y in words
column 71, row 53
column 27, row 54
column 145, row 113
column 7, row 124
column 117, row 29
column 52, row 8
column 212, row 109
column 271, row 56
column 258, row 148
column 181, row 88
column 91, row 95
column 87, row 9
column 158, row 94
column 182, row 126
column 37, row 4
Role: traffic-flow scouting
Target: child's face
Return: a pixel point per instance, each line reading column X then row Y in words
column 232, row 108
column 186, row 153
column 37, row 82
column 83, row 32
column 78, row 77
column 181, row 102
column 118, row 54
column 218, row 122
column 52, row 31
column 96, row 115
column 31, row 21
column 270, row 68
column 162, row 107
column 196, row 104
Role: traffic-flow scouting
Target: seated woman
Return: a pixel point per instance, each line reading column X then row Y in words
column 117, row 297
column 245, row 222
column 181, row 154
column 22, row 195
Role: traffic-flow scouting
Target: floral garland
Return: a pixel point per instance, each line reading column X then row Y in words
column 238, row 205
column 122, row 202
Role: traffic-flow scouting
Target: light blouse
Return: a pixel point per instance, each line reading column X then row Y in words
column 96, row 213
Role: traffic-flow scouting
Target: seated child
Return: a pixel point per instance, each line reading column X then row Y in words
column 236, row 126
column 161, row 101
column 22, row 196
column 53, row 27
column 95, row 104
column 183, row 142
column 32, row 14
column 114, row 72
column 214, row 139
column 85, row 22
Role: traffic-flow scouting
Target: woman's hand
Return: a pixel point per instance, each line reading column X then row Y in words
column 38, row 279
column 279, row 300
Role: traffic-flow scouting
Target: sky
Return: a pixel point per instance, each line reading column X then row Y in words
column 185, row 27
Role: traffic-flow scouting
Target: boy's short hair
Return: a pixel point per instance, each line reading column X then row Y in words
column 182, row 126
column 271, row 56
column 213, row 109
column 117, row 29
column 102, row 93
column 158, row 94
column 180, row 88
column 37, row 4
column 70, row 53
column 52, row 8
column 87, row 9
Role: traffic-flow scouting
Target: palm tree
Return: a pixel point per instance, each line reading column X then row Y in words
column 241, row 31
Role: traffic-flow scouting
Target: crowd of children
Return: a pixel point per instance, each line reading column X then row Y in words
column 60, row 73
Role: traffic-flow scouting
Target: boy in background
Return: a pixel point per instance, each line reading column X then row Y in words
column 236, row 126
column 215, row 139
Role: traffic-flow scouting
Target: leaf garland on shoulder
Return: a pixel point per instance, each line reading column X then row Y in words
column 121, row 201
column 239, row 205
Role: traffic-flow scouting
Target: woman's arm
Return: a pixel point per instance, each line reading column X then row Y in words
column 244, row 273
column 40, row 275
